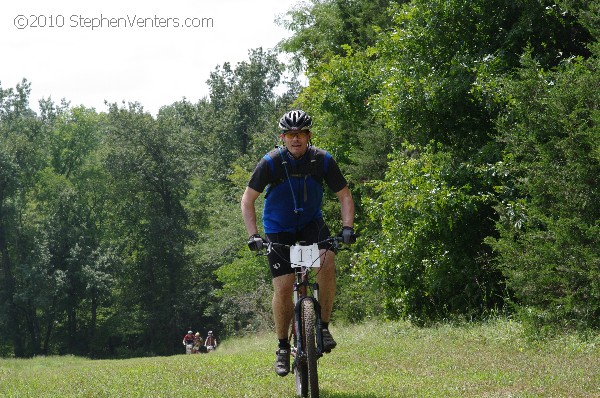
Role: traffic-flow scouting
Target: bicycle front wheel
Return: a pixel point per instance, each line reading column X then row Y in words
column 310, row 345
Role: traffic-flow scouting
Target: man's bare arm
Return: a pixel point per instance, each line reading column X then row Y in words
column 347, row 205
column 248, row 210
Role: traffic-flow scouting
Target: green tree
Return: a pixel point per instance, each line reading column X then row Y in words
column 438, row 52
column 323, row 29
column 332, row 40
column 428, row 259
column 19, row 161
column 431, row 76
column 59, row 220
column 148, row 161
column 73, row 203
column 242, row 102
column 549, row 218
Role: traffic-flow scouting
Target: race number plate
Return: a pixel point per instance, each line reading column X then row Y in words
column 305, row 256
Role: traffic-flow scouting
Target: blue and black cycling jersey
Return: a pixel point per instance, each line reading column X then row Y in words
column 294, row 187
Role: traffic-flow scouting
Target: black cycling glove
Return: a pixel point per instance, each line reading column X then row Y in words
column 348, row 235
column 255, row 242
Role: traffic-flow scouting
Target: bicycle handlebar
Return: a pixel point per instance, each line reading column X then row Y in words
column 334, row 240
column 260, row 244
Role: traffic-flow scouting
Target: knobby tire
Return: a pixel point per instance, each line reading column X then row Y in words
column 310, row 346
column 301, row 372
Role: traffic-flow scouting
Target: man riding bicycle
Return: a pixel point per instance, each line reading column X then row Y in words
column 188, row 340
column 211, row 341
column 293, row 176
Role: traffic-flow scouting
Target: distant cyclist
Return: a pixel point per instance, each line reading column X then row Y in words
column 188, row 340
column 198, row 342
column 210, row 342
column 293, row 176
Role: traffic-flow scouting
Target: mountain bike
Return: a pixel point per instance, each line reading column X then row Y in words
column 305, row 331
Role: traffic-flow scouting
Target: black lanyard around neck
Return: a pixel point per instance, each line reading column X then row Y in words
column 287, row 174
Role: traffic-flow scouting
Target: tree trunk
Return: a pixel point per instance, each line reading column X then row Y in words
column 9, row 289
column 33, row 327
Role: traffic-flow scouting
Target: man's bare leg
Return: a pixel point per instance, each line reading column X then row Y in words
column 283, row 306
column 327, row 284
column 283, row 311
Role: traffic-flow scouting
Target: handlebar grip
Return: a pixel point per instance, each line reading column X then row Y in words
column 256, row 243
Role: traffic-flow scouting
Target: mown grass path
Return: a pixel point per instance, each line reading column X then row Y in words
column 374, row 360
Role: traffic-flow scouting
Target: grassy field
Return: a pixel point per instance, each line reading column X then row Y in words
column 372, row 360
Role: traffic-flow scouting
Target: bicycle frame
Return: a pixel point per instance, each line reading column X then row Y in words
column 306, row 328
column 306, row 325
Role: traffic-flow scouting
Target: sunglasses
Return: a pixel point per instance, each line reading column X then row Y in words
column 299, row 134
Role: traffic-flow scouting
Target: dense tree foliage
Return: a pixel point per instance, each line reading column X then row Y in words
column 468, row 131
column 113, row 224
column 427, row 258
column 436, row 80
column 549, row 216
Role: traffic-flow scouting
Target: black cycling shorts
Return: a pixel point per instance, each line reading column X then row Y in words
column 279, row 258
